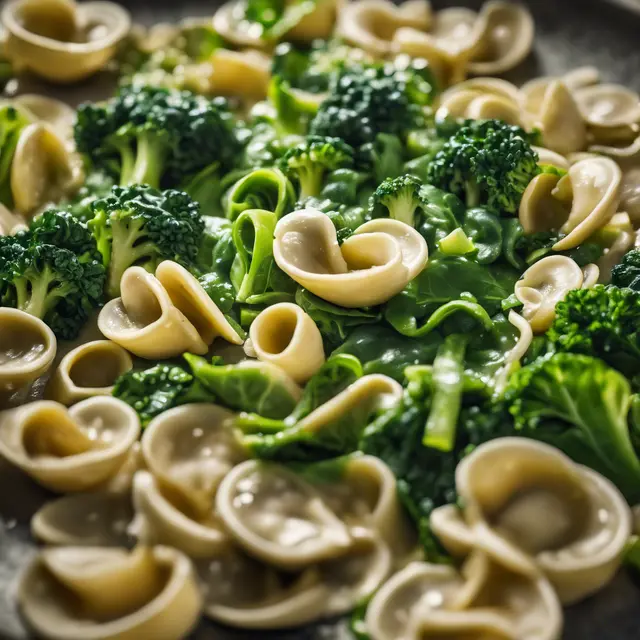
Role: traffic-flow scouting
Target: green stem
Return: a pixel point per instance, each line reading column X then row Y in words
column 150, row 159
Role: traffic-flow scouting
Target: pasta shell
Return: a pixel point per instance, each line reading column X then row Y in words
column 70, row 450
column 10, row 223
column 608, row 105
column 27, row 349
column 146, row 593
column 59, row 115
column 540, row 208
column 284, row 335
column 189, row 450
column 579, row 540
column 278, row 517
column 87, row 371
column 369, row 268
column 51, row 38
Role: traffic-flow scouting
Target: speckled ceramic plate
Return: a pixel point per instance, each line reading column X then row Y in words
column 569, row 33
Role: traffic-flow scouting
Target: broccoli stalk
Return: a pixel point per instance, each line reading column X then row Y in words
column 400, row 198
column 142, row 226
column 309, row 161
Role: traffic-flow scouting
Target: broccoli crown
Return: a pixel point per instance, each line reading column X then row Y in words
column 312, row 158
column 60, row 284
column 399, row 196
column 365, row 100
column 604, row 322
column 488, row 162
column 156, row 136
column 139, row 225
column 154, row 390
column 627, row 273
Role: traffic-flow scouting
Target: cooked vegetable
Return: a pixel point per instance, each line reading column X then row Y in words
column 627, row 273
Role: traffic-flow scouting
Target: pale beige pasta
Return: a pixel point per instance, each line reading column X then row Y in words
column 27, row 349
column 48, row 38
column 73, row 449
column 87, row 371
column 43, row 168
column 625, row 236
column 163, row 316
column 546, row 513
column 369, row 268
column 121, row 595
column 10, row 223
column 608, row 105
column 245, row 74
column 59, row 115
column 284, row 335
column 543, row 285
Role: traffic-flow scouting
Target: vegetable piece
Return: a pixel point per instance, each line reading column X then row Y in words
column 53, row 271
column 397, row 198
column 255, row 389
column 604, row 322
column 12, row 122
column 365, row 100
column 440, row 214
column 580, row 405
column 486, row 162
column 142, row 226
column 627, row 273
column 456, row 243
column 97, row 185
column 155, row 136
column 309, row 161
column 448, row 374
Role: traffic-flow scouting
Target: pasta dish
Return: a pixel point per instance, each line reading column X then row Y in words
column 316, row 316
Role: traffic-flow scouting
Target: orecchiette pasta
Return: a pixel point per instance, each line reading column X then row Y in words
column 88, row 370
column 164, row 315
column 146, row 593
column 543, row 285
column 61, row 41
column 70, row 450
column 546, row 513
column 10, row 223
column 244, row 74
column 59, row 115
column 369, row 268
column 286, row 336
column 27, row 349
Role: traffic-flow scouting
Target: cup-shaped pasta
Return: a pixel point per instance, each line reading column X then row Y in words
column 549, row 157
column 284, row 335
column 189, row 450
column 70, row 450
column 543, row 285
column 10, row 223
column 546, row 512
column 27, row 349
column 241, row 592
column 145, row 593
column 507, row 38
column 57, row 114
column 98, row 519
column 159, row 521
column 243, row 74
column 624, row 234
column 88, row 370
column 630, row 193
column 608, row 105
column 543, row 206
column 61, row 41
column 369, row 268
column 43, row 169
column 596, row 185
column 279, row 518
column 371, row 24
column 163, row 316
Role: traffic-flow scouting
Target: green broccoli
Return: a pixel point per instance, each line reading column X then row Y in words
column 155, row 136
column 142, row 226
column 273, row 18
column 400, row 197
column 97, row 185
column 12, row 122
column 309, row 161
column 627, row 273
column 486, row 162
column 53, row 271
column 365, row 100
column 603, row 321
column 294, row 108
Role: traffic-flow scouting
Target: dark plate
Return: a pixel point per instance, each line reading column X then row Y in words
column 569, row 33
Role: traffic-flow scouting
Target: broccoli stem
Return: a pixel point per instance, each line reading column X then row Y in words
column 36, row 296
column 473, row 194
column 403, row 208
column 310, row 182
column 151, row 154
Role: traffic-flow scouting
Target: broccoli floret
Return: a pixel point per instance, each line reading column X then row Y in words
column 139, row 225
column 155, row 136
column 399, row 196
column 12, row 122
column 59, row 283
column 603, row 321
column 294, row 107
column 487, row 162
column 154, row 390
column 365, row 100
column 309, row 161
column 627, row 273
